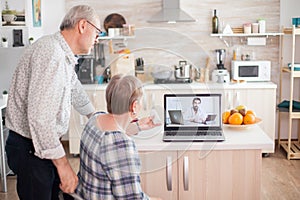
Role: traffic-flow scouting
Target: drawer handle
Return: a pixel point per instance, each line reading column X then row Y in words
column 186, row 173
column 169, row 173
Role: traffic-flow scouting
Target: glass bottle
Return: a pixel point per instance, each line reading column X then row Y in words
column 215, row 23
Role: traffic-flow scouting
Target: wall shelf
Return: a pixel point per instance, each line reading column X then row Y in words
column 220, row 35
column 115, row 37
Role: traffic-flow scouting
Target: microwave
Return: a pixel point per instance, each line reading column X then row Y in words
column 251, row 70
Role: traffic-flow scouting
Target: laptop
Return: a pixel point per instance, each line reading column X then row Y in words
column 183, row 124
column 176, row 116
column 211, row 117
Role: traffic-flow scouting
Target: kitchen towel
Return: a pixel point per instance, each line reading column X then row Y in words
column 286, row 104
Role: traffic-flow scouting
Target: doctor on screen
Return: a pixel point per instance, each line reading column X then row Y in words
column 195, row 113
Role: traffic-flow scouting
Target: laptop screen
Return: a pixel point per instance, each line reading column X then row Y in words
column 192, row 111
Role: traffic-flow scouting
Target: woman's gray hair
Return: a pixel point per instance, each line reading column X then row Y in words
column 122, row 92
column 77, row 13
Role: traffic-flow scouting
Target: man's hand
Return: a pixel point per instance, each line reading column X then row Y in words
column 68, row 179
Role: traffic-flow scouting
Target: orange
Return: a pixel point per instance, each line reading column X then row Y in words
column 251, row 112
column 236, row 119
column 225, row 117
column 249, row 119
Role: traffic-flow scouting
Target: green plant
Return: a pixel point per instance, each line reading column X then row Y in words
column 7, row 11
column 4, row 92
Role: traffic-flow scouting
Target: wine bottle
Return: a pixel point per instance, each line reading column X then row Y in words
column 215, row 23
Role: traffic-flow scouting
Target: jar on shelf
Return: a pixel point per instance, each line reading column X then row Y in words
column 255, row 27
column 247, row 28
column 262, row 25
column 128, row 29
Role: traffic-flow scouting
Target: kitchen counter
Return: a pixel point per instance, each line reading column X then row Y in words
column 201, row 170
column 235, row 139
column 233, row 94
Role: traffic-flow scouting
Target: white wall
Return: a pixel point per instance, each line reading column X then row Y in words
column 52, row 14
column 288, row 9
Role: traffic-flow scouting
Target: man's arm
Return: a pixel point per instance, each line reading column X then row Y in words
column 80, row 99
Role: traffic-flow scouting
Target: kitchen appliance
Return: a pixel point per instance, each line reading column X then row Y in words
column 221, row 55
column 183, row 71
column 251, row 70
column 171, row 13
column 180, row 74
column 85, row 69
column 99, row 54
column 220, row 75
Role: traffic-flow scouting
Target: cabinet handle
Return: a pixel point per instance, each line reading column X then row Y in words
column 153, row 100
column 169, row 173
column 94, row 97
column 237, row 98
column 145, row 101
column 227, row 100
column 81, row 120
column 186, row 173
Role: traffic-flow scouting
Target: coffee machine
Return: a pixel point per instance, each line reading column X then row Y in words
column 220, row 75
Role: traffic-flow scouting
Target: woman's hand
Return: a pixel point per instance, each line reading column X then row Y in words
column 143, row 124
column 147, row 123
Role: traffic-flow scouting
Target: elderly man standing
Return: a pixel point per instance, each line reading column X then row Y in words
column 43, row 89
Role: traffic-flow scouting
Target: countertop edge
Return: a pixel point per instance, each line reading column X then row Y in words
column 253, row 138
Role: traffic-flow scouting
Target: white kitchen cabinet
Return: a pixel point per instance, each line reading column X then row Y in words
column 159, row 174
column 77, row 121
column 207, row 174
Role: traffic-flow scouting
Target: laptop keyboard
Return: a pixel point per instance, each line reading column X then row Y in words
column 198, row 133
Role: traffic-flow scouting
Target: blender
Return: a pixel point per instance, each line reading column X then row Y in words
column 220, row 75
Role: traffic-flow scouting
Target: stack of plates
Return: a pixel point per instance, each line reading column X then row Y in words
column 238, row 30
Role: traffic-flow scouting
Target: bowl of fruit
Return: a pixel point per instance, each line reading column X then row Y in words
column 240, row 117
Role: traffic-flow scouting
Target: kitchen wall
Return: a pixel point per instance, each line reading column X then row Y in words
column 192, row 40
column 160, row 43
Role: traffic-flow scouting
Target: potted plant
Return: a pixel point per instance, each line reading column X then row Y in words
column 8, row 15
column 31, row 40
column 4, row 42
column 5, row 96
